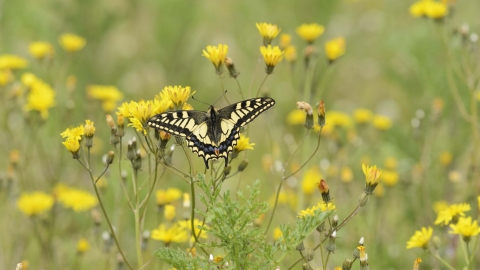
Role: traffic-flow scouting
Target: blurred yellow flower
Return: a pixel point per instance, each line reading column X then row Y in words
column 40, row 49
column 310, row 178
column 465, row 227
column 310, row 32
column 296, row 117
column 243, row 144
column 89, row 129
column 169, row 212
column 285, row 40
column 346, row 175
column 217, row 56
column 268, row 31
column 82, row 245
column 285, row 198
column 439, row 206
column 6, row 77
column 418, row 9
column 40, row 98
column 109, row 95
column 420, row 238
column 187, row 226
column 362, row 116
column 290, row 54
column 272, row 56
column 389, row 178
column 446, row 158
column 335, row 48
column 379, row 191
column 167, row 196
column 177, row 94
column 10, row 61
column 338, row 119
column 28, row 79
column 187, row 107
column 436, row 10
column 35, row 203
column 381, row 122
column 174, row 234
column 452, row 213
column 277, row 233
column 77, row 199
column 71, row 42
column 391, row 163
column 139, row 113
column 218, row 259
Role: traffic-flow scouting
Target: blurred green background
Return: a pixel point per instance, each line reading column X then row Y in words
column 395, row 65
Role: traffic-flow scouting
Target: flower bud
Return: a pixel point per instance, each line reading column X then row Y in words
column 243, row 165
column 137, row 162
column 321, row 113
column 121, row 125
column 331, row 246
column 335, row 221
column 114, row 139
column 305, row 266
column 300, row 247
column 324, row 190
column 227, row 170
column 304, row 106
column 320, row 228
column 145, row 238
column 110, row 157
column 308, row 254
column 110, row 121
column 347, row 264
column 231, row 67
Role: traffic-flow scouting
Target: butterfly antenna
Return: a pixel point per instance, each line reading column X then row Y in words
column 224, row 93
column 193, row 97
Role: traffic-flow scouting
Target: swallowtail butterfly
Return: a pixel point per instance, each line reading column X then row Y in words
column 214, row 133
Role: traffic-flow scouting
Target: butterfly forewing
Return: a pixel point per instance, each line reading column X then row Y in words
column 244, row 112
column 180, row 123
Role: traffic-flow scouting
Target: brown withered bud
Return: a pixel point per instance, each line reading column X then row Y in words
column 321, row 113
column 110, row 121
column 324, row 190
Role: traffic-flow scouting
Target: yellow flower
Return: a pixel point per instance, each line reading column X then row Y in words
column 167, row 196
column 74, row 132
column 285, row 40
column 446, row 158
column 82, row 245
column 174, row 234
column 35, row 203
column 436, row 10
column 420, row 238
column 243, row 144
column 71, row 42
column 452, row 213
column 109, row 95
column 218, row 259
column 177, row 94
column 346, row 175
column 10, row 61
column 277, row 233
column 335, row 48
column 371, row 177
column 77, row 199
column 285, row 198
column 89, row 129
column 169, row 212
column 310, row 32
column 268, row 31
column 5, row 77
column 139, row 113
column 272, row 57
column 320, row 206
column 439, row 206
column 40, row 49
column 72, row 145
column 290, row 54
column 465, row 227
column 381, row 122
column 187, row 225
column 362, row 116
column 379, row 191
column 310, row 178
column 296, row 117
column 40, row 98
column 390, row 178
column 217, row 56
column 418, row 9
column 338, row 119
column 391, row 163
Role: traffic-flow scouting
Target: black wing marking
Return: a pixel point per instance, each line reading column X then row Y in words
column 179, row 123
column 244, row 112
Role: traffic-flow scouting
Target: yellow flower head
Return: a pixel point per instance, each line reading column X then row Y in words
column 290, row 54
column 268, row 31
column 28, row 79
column 77, row 199
column 174, row 234
column 40, row 49
column 436, row 10
column 296, row 117
column 74, row 132
column 186, row 225
column 381, row 122
column 390, row 178
column 72, row 145
column 272, row 56
column 285, row 198
column 371, row 177
column 71, row 42
column 6, row 77
column 446, row 158
column 452, row 213
column 391, row 163
column 420, row 238
column 139, row 112
column 338, row 119
column 362, row 116
column 465, row 227
column 335, row 48
column 89, row 129
column 82, row 245
column 177, row 94
column 418, row 9
column 310, row 178
column 167, row 196
column 310, row 32
column 217, row 56
column 346, row 175
column 109, row 95
column 439, row 206
column 169, row 212
column 320, row 206
column 10, row 61
column 285, row 40
column 277, row 233
column 40, row 98
column 35, row 203
column 243, row 144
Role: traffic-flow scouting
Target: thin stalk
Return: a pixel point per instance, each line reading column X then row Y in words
column 311, row 156
column 261, row 85
column 274, row 206
column 223, row 89
column 240, row 88
column 442, row 261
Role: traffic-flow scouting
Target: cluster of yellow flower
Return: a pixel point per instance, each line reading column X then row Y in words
column 75, row 135
column 40, row 97
column 429, row 8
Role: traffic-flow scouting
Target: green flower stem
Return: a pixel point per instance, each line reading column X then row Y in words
column 106, row 217
column 223, row 89
column 441, row 260
column 261, row 85
column 466, row 252
column 240, row 89
column 472, row 255
column 310, row 158
column 274, row 206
